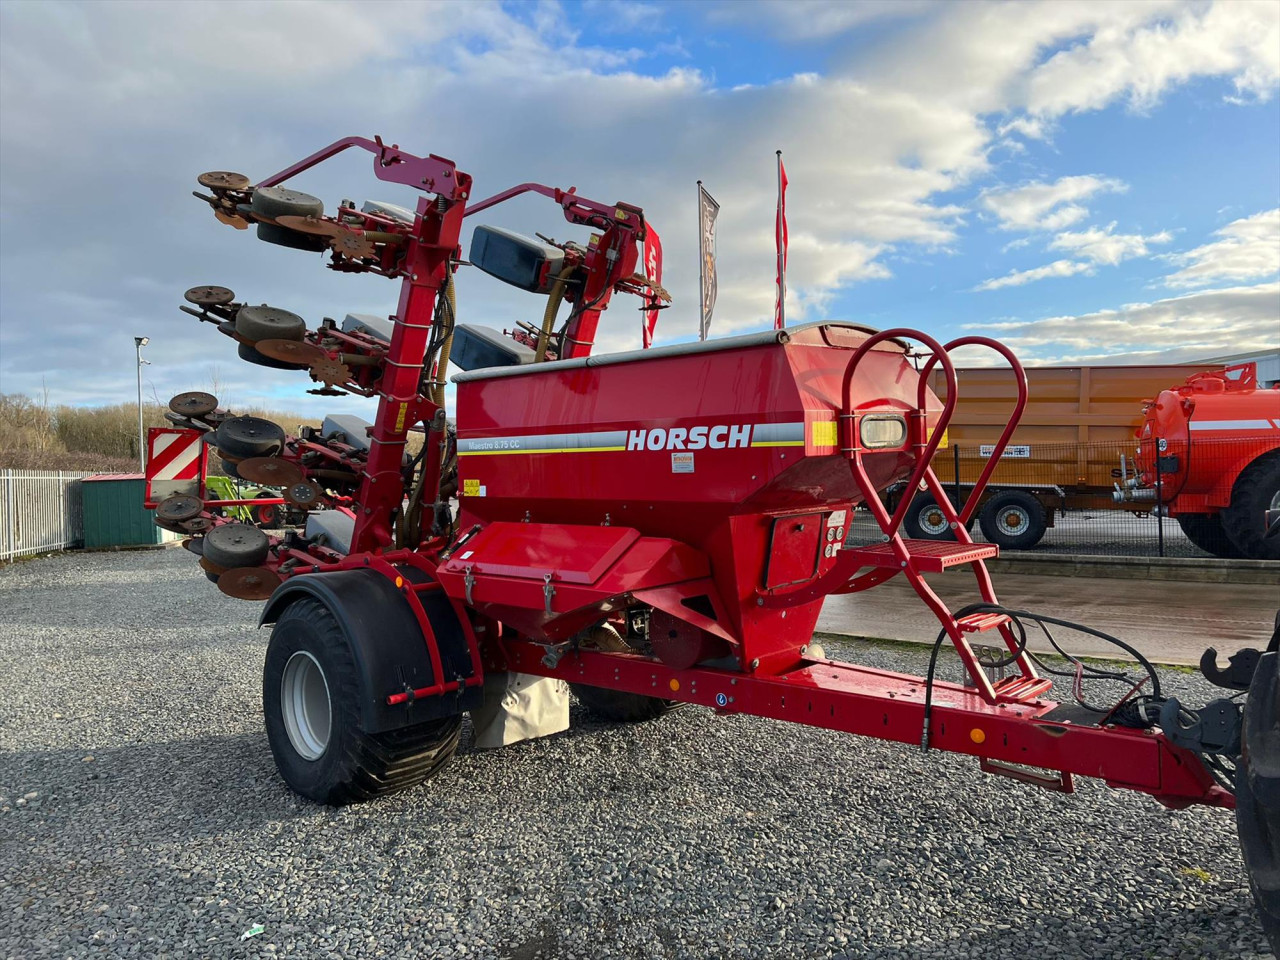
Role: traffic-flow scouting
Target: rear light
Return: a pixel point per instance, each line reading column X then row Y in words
column 881, row 431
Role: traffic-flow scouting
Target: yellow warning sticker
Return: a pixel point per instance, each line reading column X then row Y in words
column 471, row 488
column 404, row 409
column 822, row 433
column 943, row 442
column 620, row 214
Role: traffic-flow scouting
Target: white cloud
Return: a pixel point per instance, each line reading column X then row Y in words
column 1249, row 250
column 876, row 150
column 1046, row 206
column 813, row 19
column 1016, row 278
column 1204, row 323
column 1240, row 41
column 1103, row 245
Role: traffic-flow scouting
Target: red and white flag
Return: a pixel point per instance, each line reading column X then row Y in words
column 780, row 235
column 652, row 271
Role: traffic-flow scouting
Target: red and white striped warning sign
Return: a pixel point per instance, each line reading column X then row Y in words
column 175, row 462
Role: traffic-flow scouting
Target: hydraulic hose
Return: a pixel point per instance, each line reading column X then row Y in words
column 554, row 300
column 451, row 298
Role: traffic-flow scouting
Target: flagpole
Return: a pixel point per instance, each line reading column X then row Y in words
column 702, row 272
column 782, row 270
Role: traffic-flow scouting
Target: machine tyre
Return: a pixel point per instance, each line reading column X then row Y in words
column 262, row 322
column 615, row 705
column 1014, row 520
column 250, row 355
column 1205, row 531
column 272, row 202
column 620, row 707
column 924, row 521
column 1255, row 491
column 236, row 545
column 1258, row 790
column 244, row 437
column 311, row 695
column 293, row 239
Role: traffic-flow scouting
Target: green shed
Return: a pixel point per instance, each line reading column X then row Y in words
column 114, row 515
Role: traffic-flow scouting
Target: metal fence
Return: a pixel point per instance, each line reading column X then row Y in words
column 1074, row 484
column 40, row 511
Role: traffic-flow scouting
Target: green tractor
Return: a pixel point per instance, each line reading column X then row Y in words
column 268, row 516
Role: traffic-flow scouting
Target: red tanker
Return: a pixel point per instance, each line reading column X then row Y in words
column 1209, row 454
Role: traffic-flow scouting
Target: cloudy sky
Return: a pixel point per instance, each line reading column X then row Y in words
column 1082, row 179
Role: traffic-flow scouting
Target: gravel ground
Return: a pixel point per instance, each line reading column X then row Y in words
column 141, row 815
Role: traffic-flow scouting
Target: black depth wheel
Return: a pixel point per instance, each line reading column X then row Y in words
column 249, row 354
column 272, row 202
column 293, row 239
column 244, row 437
column 236, row 545
column 311, row 694
column 617, row 705
column 1205, row 531
column 1255, row 491
column 262, row 322
column 1013, row 519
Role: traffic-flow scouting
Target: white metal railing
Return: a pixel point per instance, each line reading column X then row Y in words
column 40, row 511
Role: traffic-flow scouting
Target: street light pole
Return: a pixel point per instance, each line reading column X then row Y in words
column 139, row 343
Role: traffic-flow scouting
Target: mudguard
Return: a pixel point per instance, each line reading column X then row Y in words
column 388, row 646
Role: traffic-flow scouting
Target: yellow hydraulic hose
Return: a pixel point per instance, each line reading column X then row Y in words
column 437, row 393
column 549, row 315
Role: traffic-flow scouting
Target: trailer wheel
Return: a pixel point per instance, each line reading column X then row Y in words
column 1205, row 531
column 311, row 694
column 1014, row 520
column 925, row 520
column 1255, row 491
column 616, row 705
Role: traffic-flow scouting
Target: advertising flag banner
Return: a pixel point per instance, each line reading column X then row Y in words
column 780, row 234
column 652, row 271
column 708, row 210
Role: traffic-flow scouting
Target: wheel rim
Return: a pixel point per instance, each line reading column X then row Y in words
column 1275, row 501
column 933, row 521
column 1013, row 521
column 304, row 703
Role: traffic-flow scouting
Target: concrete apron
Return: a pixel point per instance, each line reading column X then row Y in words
column 1192, row 569
column 1168, row 621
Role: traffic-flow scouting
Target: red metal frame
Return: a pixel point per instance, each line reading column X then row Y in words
column 697, row 547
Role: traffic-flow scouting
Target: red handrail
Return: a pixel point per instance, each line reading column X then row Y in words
column 850, row 447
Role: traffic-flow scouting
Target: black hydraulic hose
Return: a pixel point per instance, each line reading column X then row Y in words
column 1016, row 616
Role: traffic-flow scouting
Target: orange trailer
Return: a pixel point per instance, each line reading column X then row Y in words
column 1065, row 453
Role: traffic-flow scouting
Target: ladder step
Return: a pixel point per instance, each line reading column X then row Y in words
column 928, row 556
column 1021, row 689
column 980, row 622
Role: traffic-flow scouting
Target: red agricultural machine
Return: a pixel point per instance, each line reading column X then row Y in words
column 650, row 528
column 1209, row 454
